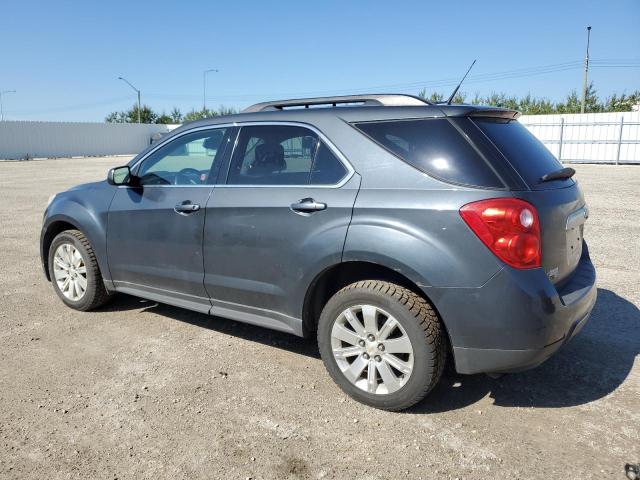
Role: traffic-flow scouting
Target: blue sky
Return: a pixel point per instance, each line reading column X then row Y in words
column 63, row 58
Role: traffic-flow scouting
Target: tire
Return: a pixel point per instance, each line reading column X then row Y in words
column 95, row 294
column 415, row 320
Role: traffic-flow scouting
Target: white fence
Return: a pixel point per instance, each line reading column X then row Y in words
column 69, row 139
column 573, row 138
column 589, row 137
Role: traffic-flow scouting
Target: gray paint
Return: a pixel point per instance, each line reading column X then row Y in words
column 149, row 244
column 258, row 252
column 246, row 255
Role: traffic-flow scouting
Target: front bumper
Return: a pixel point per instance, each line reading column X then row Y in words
column 517, row 319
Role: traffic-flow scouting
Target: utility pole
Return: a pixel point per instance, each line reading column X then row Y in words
column 137, row 91
column 1, row 108
column 204, row 87
column 586, row 73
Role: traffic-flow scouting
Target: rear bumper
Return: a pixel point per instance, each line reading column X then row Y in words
column 478, row 360
column 517, row 319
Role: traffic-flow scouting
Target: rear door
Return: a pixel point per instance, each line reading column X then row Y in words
column 155, row 229
column 560, row 203
column 280, row 217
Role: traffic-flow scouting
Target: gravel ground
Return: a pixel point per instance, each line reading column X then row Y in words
column 141, row 390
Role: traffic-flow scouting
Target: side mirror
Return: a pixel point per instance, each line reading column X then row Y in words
column 119, row 175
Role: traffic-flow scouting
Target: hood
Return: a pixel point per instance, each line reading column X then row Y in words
column 88, row 186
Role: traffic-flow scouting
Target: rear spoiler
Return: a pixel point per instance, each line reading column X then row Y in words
column 495, row 113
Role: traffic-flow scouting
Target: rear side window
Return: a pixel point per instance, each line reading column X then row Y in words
column 435, row 147
column 525, row 152
column 327, row 169
column 273, row 155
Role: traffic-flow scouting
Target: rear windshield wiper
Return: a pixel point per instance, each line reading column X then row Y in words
column 567, row 172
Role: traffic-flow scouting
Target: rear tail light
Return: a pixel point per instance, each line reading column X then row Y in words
column 509, row 227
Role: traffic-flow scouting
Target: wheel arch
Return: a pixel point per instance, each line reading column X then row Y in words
column 334, row 278
column 60, row 223
column 52, row 230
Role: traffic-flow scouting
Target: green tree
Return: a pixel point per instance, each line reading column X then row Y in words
column 570, row 105
column 176, row 115
column 164, row 118
column 206, row 113
column 116, row 117
column 437, row 97
column 147, row 115
column 530, row 105
column 622, row 103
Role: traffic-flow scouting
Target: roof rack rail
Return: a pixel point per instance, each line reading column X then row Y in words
column 377, row 100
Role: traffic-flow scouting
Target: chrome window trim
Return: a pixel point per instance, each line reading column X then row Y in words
column 338, row 154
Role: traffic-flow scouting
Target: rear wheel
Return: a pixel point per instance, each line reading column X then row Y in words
column 74, row 271
column 382, row 344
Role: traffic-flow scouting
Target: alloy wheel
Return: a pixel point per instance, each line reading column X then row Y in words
column 70, row 271
column 372, row 349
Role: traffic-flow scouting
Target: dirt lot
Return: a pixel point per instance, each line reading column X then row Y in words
column 140, row 390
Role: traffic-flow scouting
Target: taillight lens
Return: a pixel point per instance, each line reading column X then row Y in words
column 509, row 227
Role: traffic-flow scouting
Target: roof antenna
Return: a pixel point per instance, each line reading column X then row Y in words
column 460, row 84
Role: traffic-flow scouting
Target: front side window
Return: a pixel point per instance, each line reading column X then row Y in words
column 187, row 160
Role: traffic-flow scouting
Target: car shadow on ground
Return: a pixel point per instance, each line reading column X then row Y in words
column 591, row 366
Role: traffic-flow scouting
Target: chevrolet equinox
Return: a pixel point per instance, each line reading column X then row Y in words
column 402, row 234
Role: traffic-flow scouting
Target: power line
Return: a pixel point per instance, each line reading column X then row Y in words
column 504, row 75
column 428, row 84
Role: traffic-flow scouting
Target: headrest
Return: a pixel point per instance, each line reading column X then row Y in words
column 269, row 159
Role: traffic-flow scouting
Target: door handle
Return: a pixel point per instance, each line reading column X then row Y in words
column 308, row 205
column 186, row 208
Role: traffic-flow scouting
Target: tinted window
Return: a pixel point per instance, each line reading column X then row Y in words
column 525, row 152
column 273, row 155
column 187, row 160
column 433, row 146
column 327, row 169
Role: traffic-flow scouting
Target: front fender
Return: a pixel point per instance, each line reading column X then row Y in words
column 86, row 211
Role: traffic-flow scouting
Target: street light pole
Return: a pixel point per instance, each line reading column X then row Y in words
column 586, row 73
column 204, row 87
column 137, row 91
column 1, row 108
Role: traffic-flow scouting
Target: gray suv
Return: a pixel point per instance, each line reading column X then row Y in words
column 402, row 234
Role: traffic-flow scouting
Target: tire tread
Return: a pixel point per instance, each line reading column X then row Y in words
column 426, row 318
column 100, row 293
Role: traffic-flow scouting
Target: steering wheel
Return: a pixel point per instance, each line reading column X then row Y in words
column 191, row 175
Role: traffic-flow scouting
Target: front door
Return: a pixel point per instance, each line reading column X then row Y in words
column 155, row 228
column 279, row 219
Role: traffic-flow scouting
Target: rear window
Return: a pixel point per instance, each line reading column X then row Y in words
column 525, row 152
column 435, row 147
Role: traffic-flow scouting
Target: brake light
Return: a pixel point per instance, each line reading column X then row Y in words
column 509, row 227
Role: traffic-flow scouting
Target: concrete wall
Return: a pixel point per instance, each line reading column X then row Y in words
column 67, row 139
column 590, row 137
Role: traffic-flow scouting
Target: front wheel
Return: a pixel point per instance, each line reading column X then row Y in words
column 382, row 344
column 74, row 271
